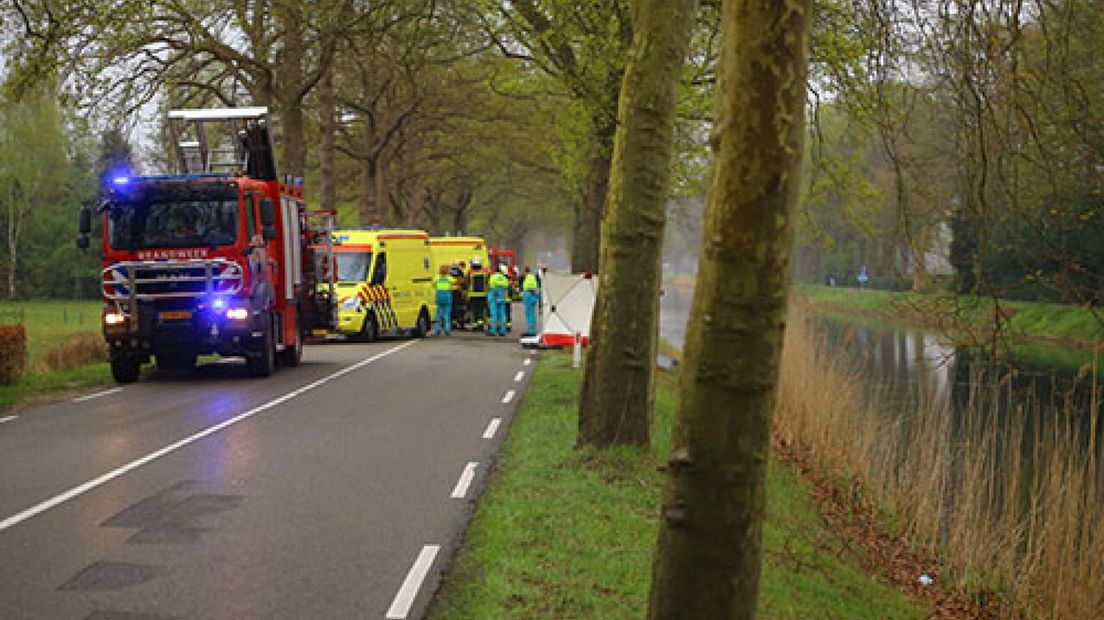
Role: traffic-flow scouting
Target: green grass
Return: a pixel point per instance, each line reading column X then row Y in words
column 564, row 533
column 1031, row 320
column 47, row 324
column 47, row 385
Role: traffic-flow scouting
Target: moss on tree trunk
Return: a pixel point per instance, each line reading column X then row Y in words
column 707, row 562
column 616, row 402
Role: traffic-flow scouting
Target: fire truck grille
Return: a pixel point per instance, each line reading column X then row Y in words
column 159, row 280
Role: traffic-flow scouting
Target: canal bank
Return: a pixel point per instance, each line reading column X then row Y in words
column 986, row 470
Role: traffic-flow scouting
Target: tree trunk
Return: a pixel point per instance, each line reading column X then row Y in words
column 617, row 395
column 586, row 245
column 367, row 206
column 708, row 556
column 290, row 79
column 327, row 184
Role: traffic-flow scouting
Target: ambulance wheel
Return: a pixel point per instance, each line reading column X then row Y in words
column 369, row 332
column 263, row 363
column 421, row 328
column 293, row 353
column 125, row 370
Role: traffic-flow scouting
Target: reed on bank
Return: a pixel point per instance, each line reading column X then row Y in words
column 1005, row 491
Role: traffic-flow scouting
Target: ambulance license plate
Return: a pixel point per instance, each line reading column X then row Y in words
column 176, row 315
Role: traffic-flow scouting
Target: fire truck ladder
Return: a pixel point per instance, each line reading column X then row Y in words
column 229, row 140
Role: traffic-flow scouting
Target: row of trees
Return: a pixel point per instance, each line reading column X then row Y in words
column 967, row 129
column 973, row 116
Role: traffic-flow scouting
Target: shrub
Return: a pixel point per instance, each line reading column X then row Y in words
column 13, row 353
column 75, row 350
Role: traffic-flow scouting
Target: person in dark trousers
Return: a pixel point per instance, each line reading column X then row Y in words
column 443, row 285
column 530, row 296
column 477, row 294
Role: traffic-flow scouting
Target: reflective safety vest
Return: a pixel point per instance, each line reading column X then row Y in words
column 443, row 283
column 478, row 287
column 499, row 281
column 530, row 282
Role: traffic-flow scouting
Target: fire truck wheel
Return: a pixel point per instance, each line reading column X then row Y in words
column 293, row 353
column 125, row 370
column 263, row 363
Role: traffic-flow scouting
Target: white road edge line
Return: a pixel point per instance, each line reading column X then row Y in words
column 81, row 399
column 508, row 396
column 466, row 477
column 153, row 456
column 8, row 418
column 404, row 599
column 519, row 376
column 527, row 361
column 492, row 428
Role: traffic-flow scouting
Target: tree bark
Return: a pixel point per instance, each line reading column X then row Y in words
column 290, row 77
column 617, row 394
column 708, row 556
column 586, row 244
column 327, row 184
column 367, row 203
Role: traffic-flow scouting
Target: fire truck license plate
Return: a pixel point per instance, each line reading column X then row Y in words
column 176, row 315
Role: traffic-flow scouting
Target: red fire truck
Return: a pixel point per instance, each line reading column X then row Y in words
column 500, row 257
column 215, row 259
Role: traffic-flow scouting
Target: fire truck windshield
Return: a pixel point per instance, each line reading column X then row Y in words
column 352, row 266
column 179, row 224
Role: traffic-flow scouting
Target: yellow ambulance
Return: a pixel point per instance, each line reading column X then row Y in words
column 383, row 283
column 450, row 251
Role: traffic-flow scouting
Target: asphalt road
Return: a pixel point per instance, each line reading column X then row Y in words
column 323, row 492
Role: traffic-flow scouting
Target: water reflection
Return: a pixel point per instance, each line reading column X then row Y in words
column 903, row 365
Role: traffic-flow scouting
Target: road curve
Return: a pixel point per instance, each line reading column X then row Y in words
column 337, row 489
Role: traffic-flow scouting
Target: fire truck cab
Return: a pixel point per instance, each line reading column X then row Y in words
column 212, row 260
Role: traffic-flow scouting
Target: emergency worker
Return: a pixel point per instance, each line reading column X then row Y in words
column 443, row 285
column 530, row 291
column 500, row 284
column 457, row 306
column 477, row 294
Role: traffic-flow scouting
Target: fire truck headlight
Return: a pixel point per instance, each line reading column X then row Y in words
column 237, row 314
column 114, row 318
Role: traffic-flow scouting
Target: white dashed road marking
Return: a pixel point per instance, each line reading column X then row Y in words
column 466, row 477
column 7, row 418
column 519, row 376
column 492, row 428
column 81, row 399
column 506, row 398
column 400, row 607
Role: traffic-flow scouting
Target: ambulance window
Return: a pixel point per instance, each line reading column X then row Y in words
column 379, row 274
column 352, row 266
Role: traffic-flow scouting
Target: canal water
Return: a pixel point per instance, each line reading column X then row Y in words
column 898, row 363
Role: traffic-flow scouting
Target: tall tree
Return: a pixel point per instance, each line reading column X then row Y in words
column 582, row 46
column 617, row 393
column 707, row 561
column 32, row 160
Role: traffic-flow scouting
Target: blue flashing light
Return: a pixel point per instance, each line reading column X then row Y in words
column 218, row 303
column 120, row 180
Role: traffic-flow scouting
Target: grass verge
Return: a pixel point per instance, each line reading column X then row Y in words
column 565, row 533
column 971, row 318
column 65, row 351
